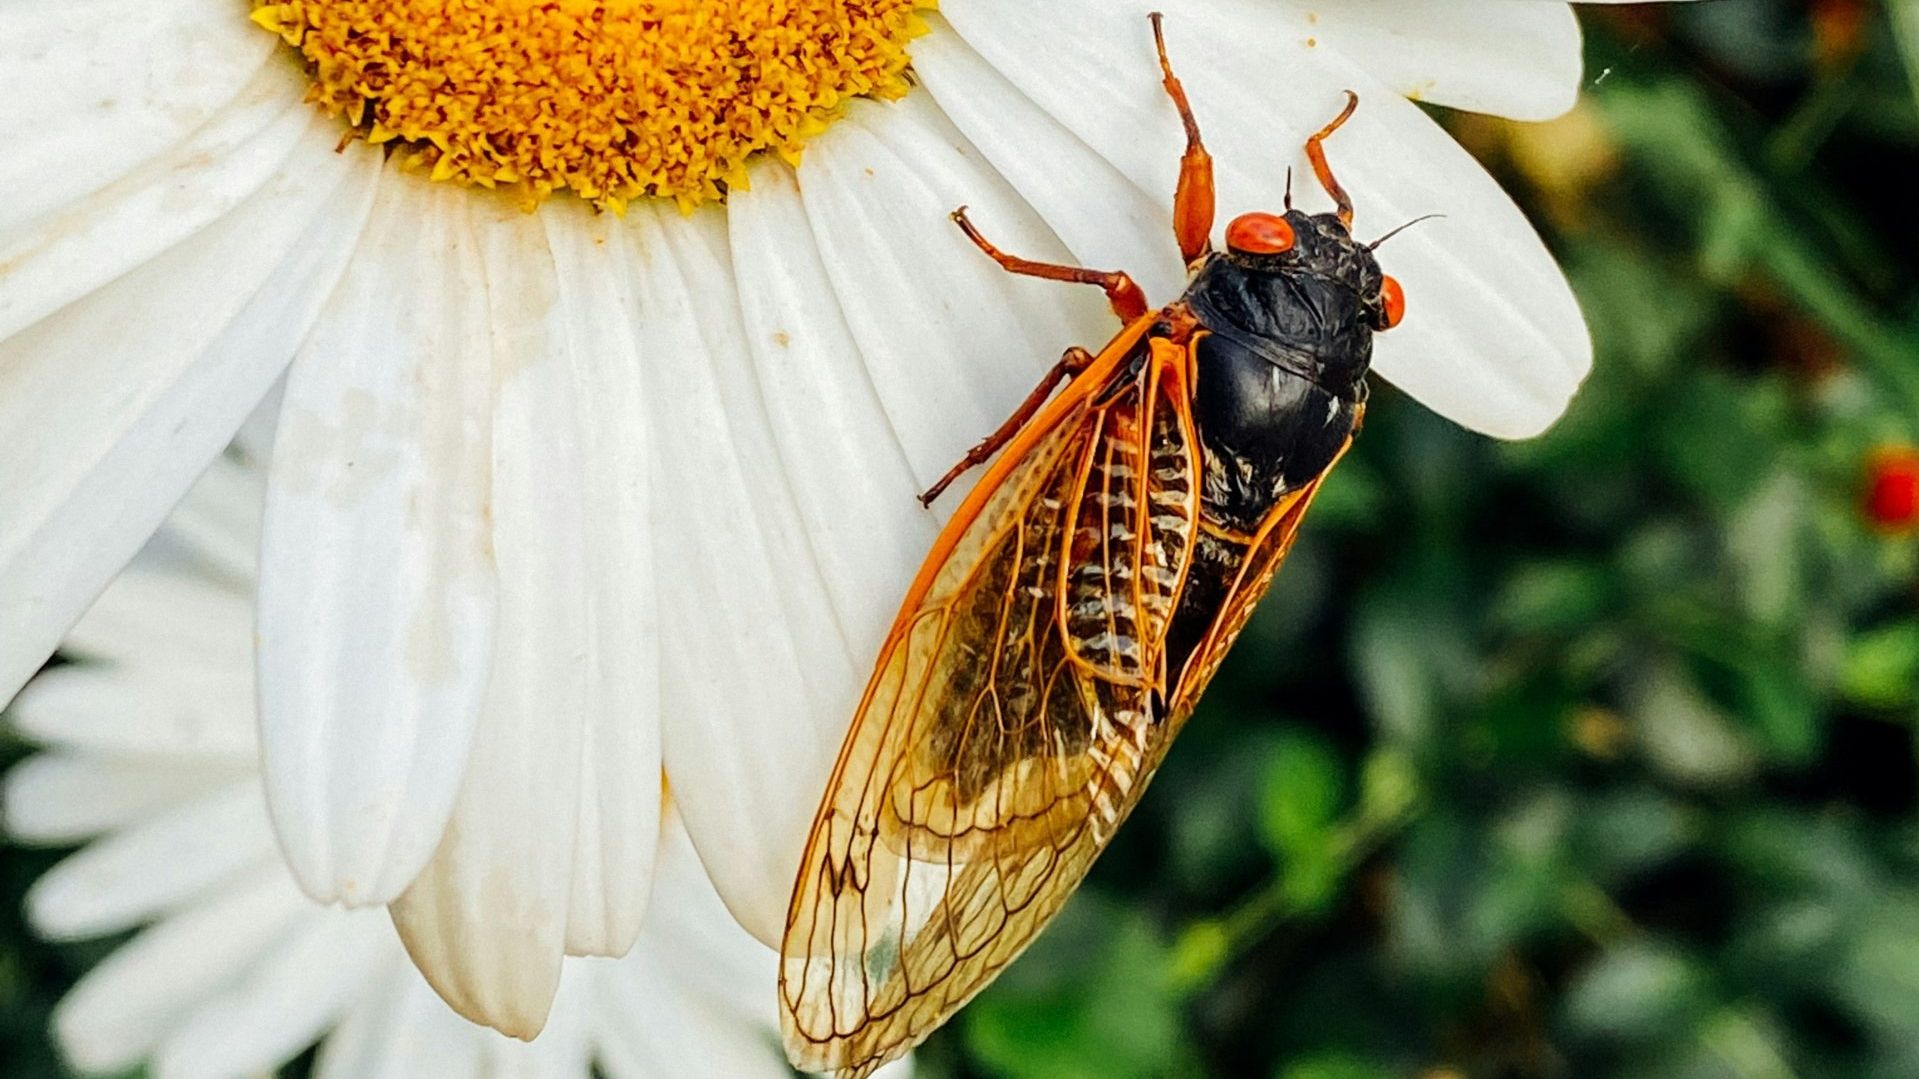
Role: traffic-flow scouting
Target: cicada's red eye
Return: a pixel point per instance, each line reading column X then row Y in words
column 1260, row 234
column 1392, row 302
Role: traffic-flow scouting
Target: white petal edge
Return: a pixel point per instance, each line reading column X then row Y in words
column 218, row 523
column 157, row 615
column 116, row 403
column 1103, row 219
column 125, row 1007
column 399, row 1030
column 51, row 261
column 949, row 343
column 286, row 1002
column 753, row 636
column 86, row 706
column 838, row 453
column 951, row 340
column 1519, row 59
column 154, row 867
column 620, row 796
column 485, row 921
column 57, row 797
column 377, row 593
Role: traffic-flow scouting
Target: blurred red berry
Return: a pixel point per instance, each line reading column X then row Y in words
column 1892, row 488
column 1838, row 30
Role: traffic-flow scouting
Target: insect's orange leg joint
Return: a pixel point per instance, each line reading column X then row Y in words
column 1128, row 300
column 1316, row 153
column 1193, row 200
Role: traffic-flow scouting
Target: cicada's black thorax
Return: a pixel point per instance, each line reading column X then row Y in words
column 1282, row 366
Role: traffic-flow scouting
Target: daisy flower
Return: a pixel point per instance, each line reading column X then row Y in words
column 613, row 342
column 150, row 762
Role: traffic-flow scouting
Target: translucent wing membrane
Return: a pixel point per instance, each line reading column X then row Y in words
column 1012, row 720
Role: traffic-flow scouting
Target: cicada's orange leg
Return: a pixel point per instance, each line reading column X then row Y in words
column 1193, row 199
column 1316, row 153
column 1128, row 301
column 1076, row 360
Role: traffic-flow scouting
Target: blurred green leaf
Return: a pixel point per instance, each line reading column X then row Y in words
column 1877, row 977
column 1389, row 788
column 1353, row 495
column 1088, row 1001
column 1881, row 666
column 1632, row 829
column 1301, row 796
column 1334, row 1066
column 1685, row 734
column 1555, row 597
column 1638, row 991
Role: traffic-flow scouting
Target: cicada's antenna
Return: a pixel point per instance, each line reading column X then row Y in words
column 1289, row 189
column 1374, row 246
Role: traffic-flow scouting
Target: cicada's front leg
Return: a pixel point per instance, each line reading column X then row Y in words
column 1193, row 200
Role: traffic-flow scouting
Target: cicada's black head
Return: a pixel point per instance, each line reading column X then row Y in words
column 1318, row 248
column 1289, row 310
column 1301, row 293
column 1300, row 285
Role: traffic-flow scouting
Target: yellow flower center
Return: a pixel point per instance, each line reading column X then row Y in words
column 611, row 99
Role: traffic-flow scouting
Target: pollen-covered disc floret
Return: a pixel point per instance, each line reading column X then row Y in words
column 611, row 99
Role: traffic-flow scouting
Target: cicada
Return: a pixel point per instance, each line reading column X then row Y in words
column 1074, row 609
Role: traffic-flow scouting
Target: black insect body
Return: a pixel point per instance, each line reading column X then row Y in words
column 1288, row 339
column 1286, row 317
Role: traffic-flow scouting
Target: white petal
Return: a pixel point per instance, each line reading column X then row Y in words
column 693, row 945
column 284, row 1003
column 94, row 92
column 377, row 583
column 564, row 1049
column 219, row 523
column 699, row 981
column 952, row 341
column 849, row 477
column 486, row 919
column 60, row 798
column 1513, row 58
column 400, row 1030
column 94, row 707
column 173, row 626
column 680, row 1036
column 128, row 1004
column 51, row 261
column 113, row 405
column 134, row 875
column 1493, row 338
column 755, row 660
column 1103, row 219
column 619, row 784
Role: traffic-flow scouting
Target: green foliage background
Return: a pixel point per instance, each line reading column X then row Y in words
column 1588, row 756
column 1593, row 755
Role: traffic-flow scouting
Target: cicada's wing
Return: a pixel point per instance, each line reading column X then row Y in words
column 1011, row 723
column 1256, row 560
